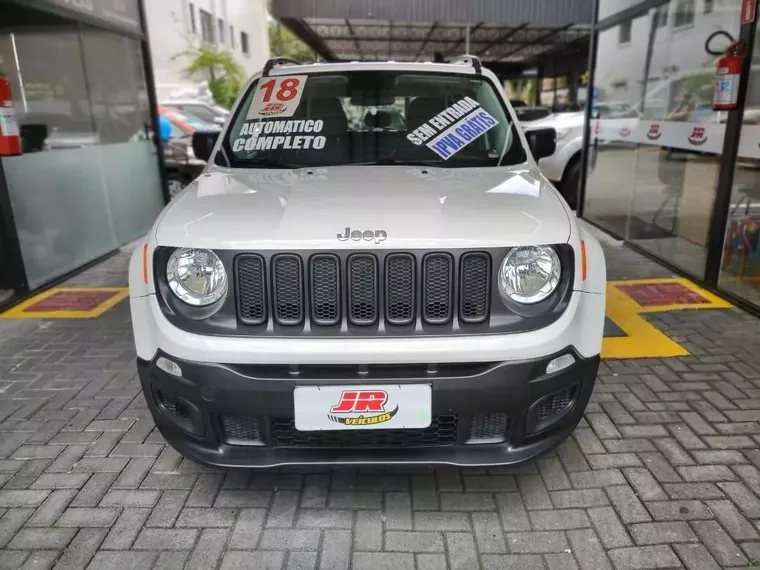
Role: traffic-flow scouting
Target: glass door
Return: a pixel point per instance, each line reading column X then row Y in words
column 740, row 267
column 657, row 142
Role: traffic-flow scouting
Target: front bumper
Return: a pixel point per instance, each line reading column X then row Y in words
column 241, row 415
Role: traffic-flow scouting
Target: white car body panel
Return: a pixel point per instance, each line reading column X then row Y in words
column 417, row 207
column 305, row 209
column 580, row 326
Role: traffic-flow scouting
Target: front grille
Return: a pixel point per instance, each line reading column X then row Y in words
column 437, row 291
column 325, row 289
column 555, row 404
column 442, row 431
column 475, row 279
column 240, row 430
column 288, row 289
column 252, row 304
column 362, row 289
column 399, row 289
column 491, row 428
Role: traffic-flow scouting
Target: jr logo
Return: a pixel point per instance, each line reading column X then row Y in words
column 378, row 236
column 698, row 136
column 369, row 402
column 361, row 401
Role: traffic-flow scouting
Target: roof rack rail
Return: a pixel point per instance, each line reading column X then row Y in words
column 271, row 63
column 468, row 59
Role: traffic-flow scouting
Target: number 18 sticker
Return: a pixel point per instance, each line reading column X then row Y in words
column 277, row 97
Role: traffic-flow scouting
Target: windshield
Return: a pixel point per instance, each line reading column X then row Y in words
column 361, row 117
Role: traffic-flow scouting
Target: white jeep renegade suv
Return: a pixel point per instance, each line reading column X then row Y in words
column 371, row 269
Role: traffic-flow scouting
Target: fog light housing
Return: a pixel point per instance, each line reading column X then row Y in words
column 560, row 363
column 169, row 367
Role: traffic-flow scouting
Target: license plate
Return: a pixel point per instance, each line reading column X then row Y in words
column 319, row 408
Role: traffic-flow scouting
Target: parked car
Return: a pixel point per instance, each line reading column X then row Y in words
column 563, row 167
column 206, row 112
column 330, row 295
column 182, row 165
column 530, row 114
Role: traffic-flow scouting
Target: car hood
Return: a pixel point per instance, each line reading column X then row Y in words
column 560, row 121
column 415, row 208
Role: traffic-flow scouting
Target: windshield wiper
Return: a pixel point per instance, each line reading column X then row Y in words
column 268, row 163
column 396, row 162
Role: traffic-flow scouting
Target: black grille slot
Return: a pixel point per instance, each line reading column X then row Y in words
column 437, row 279
column 175, row 406
column 288, row 289
column 251, row 289
column 325, row 290
column 362, row 289
column 490, row 428
column 474, row 287
column 555, row 404
column 442, row 431
column 241, row 430
column 399, row 288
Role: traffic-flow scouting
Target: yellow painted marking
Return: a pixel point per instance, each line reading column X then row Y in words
column 644, row 340
column 18, row 312
column 714, row 302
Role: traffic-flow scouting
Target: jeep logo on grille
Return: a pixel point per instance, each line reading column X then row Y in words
column 378, row 236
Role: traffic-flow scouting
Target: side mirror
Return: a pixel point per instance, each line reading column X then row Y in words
column 203, row 144
column 542, row 142
column 220, row 121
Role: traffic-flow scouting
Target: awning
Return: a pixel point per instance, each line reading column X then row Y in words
column 518, row 31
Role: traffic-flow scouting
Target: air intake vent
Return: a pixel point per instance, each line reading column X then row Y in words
column 325, row 290
column 442, row 431
column 491, row 428
column 251, row 284
column 362, row 289
column 288, row 289
column 399, row 289
column 437, row 288
column 475, row 281
column 241, row 430
column 552, row 408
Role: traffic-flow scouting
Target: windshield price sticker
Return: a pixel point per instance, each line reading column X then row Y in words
column 453, row 128
column 273, row 135
column 277, row 97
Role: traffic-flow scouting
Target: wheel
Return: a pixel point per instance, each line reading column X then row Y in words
column 569, row 185
column 176, row 185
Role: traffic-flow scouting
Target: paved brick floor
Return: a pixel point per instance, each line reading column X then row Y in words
column 662, row 473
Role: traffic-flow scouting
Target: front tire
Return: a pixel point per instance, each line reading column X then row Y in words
column 570, row 182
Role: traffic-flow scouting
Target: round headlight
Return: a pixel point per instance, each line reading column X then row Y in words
column 528, row 275
column 196, row 276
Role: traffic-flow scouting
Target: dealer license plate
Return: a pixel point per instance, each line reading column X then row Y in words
column 384, row 406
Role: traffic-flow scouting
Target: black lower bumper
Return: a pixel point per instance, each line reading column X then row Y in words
column 483, row 413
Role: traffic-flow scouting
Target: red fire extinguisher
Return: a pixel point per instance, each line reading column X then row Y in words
column 726, row 92
column 10, row 139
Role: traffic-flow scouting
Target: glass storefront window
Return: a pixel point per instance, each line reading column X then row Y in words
column 88, row 180
column 740, row 267
column 656, row 143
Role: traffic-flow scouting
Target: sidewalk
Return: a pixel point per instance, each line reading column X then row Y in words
column 663, row 472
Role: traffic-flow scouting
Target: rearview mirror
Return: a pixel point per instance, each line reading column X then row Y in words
column 542, row 142
column 203, row 144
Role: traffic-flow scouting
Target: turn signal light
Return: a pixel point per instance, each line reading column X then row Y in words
column 560, row 363
column 168, row 366
column 583, row 260
column 145, row 263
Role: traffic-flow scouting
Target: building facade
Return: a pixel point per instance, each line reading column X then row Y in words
column 665, row 172
column 88, row 179
column 175, row 25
